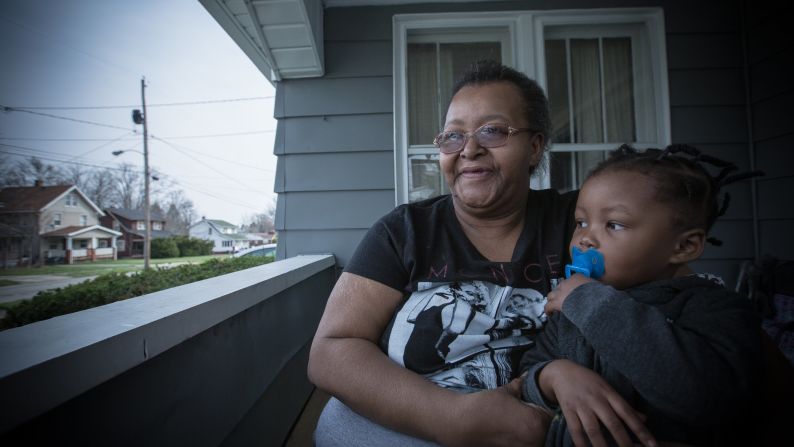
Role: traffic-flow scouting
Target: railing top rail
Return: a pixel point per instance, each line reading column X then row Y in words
column 127, row 333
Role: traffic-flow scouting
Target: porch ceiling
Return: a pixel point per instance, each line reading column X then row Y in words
column 284, row 38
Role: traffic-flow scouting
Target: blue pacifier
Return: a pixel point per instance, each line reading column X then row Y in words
column 589, row 263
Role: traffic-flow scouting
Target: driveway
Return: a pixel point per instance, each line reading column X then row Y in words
column 30, row 285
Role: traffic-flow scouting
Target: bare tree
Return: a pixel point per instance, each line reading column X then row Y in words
column 128, row 186
column 25, row 172
column 261, row 222
column 180, row 211
column 100, row 188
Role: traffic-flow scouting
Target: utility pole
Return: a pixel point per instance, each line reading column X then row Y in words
column 142, row 118
column 147, row 242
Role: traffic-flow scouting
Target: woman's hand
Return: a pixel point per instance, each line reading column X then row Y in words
column 588, row 402
column 496, row 418
column 557, row 296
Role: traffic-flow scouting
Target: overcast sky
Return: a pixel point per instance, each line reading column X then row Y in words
column 57, row 54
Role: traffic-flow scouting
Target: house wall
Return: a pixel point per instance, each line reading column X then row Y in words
column 334, row 142
column 770, row 50
column 70, row 215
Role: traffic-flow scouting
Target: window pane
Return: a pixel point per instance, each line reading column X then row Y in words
column 424, row 178
column 422, row 94
column 586, row 82
column 570, row 169
column 619, row 90
column 557, row 81
column 432, row 71
column 456, row 57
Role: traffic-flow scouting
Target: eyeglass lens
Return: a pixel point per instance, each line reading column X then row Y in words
column 487, row 136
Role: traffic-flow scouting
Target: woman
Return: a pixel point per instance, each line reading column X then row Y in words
column 424, row 329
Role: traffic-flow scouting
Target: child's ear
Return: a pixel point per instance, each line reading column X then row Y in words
column 689, row 246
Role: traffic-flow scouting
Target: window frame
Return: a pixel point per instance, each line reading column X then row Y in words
column 526, row 37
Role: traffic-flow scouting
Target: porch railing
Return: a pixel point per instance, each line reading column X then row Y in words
column 216, row 362
column 106, row 252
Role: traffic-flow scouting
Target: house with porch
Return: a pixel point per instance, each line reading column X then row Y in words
column 224, row 235
column 361, row 88
column 132, row 225
column 53, row 224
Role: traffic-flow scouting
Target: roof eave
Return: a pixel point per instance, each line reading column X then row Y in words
column 283, row 45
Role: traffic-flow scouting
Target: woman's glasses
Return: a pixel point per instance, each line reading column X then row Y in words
column 488, row 135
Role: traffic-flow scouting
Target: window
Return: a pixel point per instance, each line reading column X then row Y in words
column 157, row 225
column 103, row 243
column 116, row 225
column 71, row 199
column 227, row 243
column 82, row 243
column 54, row 245
column 600, row 83
column 56, row 220
column 120, row 244
column 83, row 220
column 604, row 71
column 433, row 58
column 140, row 225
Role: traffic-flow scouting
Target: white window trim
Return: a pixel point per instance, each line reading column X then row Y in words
column 526, row 31
column 402, row 25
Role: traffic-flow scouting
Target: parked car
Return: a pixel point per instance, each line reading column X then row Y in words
column 259, row 250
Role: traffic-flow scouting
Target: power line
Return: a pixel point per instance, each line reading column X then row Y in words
column 205, row 164
column 212, row 156
column 60, row 41
column 171, row 104
column 55, row 159
column 101, row 146
column 173, row 178
column 181, row 137
column 63, row 139
column 12, row 109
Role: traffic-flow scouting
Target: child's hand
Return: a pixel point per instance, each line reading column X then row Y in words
column 590, row 405
column 557, row 296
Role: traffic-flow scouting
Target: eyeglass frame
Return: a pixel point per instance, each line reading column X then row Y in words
column 466, row 135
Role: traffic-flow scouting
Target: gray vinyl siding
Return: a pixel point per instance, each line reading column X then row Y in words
column 335, row 140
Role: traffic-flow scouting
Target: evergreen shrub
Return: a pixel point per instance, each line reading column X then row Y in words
column 112, row 287
column 164, row 248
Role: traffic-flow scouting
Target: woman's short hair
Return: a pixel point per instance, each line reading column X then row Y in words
column 536, row 105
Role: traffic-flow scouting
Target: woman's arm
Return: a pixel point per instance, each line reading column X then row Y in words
column 345, row 361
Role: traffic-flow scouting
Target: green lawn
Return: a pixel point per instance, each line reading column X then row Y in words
column 99, row 267
column 7, row 282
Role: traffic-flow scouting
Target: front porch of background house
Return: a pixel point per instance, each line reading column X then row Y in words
column 217, row 362
column 73, row 244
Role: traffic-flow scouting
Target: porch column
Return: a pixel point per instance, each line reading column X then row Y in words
column 92, row 249
column 113, row 246
column 69, row 259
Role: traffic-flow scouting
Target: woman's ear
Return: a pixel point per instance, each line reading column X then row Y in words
column 689, row 246
column 536, row 144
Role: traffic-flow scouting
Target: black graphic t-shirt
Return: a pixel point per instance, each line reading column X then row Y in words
column 465, row 320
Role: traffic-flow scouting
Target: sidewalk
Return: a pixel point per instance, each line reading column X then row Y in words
column 30, row 285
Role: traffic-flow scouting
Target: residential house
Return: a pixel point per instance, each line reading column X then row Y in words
column 53, row 223
column 356, row 111
column 362, row 88
column 223, row 234
column 132, row 225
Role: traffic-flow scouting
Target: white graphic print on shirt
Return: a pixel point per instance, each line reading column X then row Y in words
column 459, row 334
